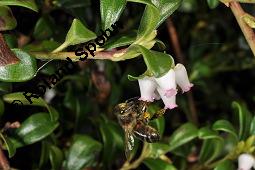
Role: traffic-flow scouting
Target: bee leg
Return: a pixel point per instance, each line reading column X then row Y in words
column 158, row 114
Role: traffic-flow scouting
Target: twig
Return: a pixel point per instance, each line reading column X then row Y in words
column 4, row 164
column 180, row 58
column 247, row 31
column 103, row 55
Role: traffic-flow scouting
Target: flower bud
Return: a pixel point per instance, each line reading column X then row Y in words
column 147, row 87
column 245, row 162
column 182, row 78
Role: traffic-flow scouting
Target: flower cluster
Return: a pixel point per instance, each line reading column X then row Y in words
column 246, row 162
column 165, row 87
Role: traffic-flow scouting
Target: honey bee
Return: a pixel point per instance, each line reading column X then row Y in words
column 133, row 117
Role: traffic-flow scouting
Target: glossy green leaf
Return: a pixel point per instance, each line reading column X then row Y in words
column 212, row 145
column 45, row 45
column 82, row 152
column 7, row 20
column 19, row 99
column 158, row 164
column 111, row 11
column 166, row 8
column 149, row 21
column 24, row 3
column 33, row 129
column 11, row 40
column 22, row 71
column 210, row 150
column 120, row 40
column 225, row 165
column 43, row 28
column 213, row 3
column 56, row 157
column 244, row 119
column 157, row 149
column 9, row 98
column 1, row 107
column 157, row 63
column 77, row 34
column 8, row 145
column 225, row 126
column 207, row 133
column 182, row 135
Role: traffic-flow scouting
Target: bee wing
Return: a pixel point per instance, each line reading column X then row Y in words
column 129, row 144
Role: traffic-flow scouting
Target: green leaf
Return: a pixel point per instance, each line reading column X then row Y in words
column 33, row 129
column 1, row 107
column 157, row 63
column 22, row 71
column 43, row 28
column 19, row 99
column 166, row 8
column 82, row 152
column 158, row 164
column 111, row 11
column 120, row 40
column 7, row 20
column 252, row 128
column 207, row 133
column 157, row 149
column 149, row 21
column 45, row 45
column 56, row 157
column 210, row 150
column 244, row 119
column 77, row 34
column 24, row 3
column 182, row 135
column 8, row 145
column 9, row 98
column 225, row 165
column 112, row 136
column 212, row 145
column 213, row 3
column 225, row 126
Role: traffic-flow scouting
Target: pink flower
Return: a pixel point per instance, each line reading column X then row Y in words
column 164, row 87
column 147, row 87
column 182, row 78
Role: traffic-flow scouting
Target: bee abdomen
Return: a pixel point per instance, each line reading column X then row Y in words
column 146, row 133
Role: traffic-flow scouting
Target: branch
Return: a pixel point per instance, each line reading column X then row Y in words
column 6, row 55
column 101, row 55
column 4, row 164
column 247, row 31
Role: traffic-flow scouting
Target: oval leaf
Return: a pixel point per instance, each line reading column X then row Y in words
column 225, row 126
column 7, row 20
column 8, row 145
column 24, row 3
column 82, row 152
column 156, row 164
column 182, row 135
column 33, row 129
column 77, row 34
column 22, row 71
column 111, row 11
column 56, row 157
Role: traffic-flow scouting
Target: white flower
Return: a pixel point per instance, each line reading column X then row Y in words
column 167, row 83
column 168, row 101
column 245, row 161
column 182, row 78
column 164, row 87
column 147, row 87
